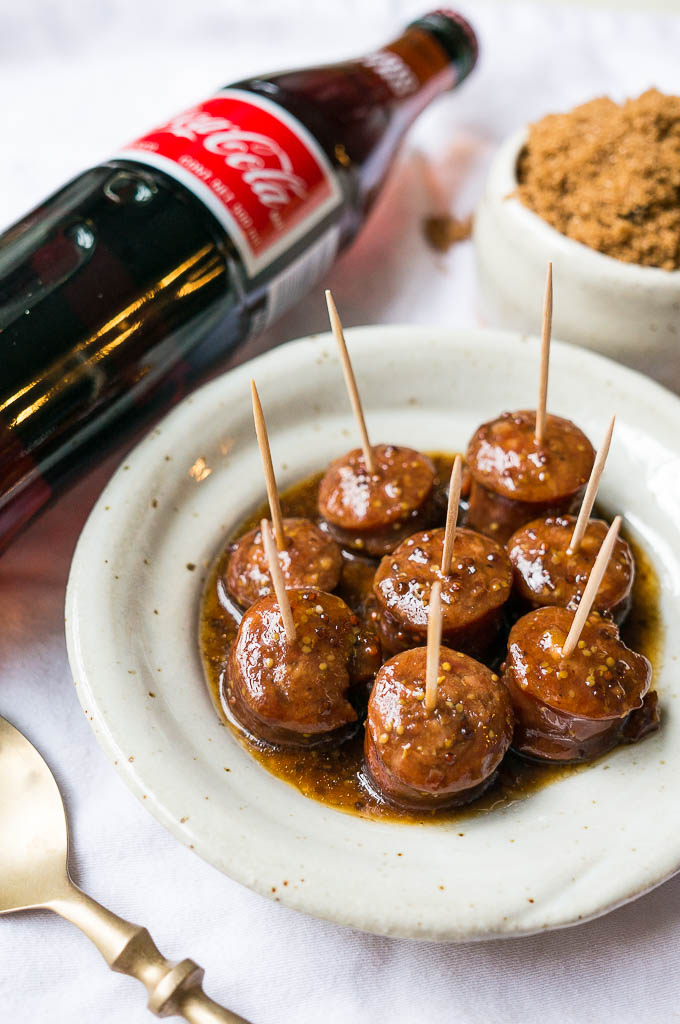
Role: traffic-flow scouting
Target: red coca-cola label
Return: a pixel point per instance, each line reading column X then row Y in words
column 258, row 169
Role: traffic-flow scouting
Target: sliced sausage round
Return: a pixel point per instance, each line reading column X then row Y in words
column 373, row 512
column 548, row 572
column 472, row 596
column 575, row 708
column 431, row 759
column 297, row 694
column 310, row 559
column 516, row 479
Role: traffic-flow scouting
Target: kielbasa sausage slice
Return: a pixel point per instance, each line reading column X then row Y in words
column 516, row 479
column 548, row 572
column 439, row 758
column 296, row 694
column 472, row 597
column 373, row 512
column 575, row 708
column 310, row 559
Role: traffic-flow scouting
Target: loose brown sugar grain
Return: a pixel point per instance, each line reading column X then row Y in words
column 608, row 175
column 443, row 232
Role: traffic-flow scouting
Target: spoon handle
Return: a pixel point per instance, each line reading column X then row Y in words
column 173, row 988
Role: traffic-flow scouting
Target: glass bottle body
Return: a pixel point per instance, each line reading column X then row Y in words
column 121, row 290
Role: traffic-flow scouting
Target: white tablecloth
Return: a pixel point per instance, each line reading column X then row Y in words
column 76, row 79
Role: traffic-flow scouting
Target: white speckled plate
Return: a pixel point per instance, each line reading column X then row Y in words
column 568, row 852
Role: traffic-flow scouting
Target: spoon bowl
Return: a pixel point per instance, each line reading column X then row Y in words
column 34, row 874
column 34, row 844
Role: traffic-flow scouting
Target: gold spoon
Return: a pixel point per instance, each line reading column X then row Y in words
column 34, row 874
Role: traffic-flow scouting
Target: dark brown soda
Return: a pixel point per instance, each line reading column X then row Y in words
column 121, row 290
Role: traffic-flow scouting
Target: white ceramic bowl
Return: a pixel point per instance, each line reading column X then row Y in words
column 625, row 311
column 568, row 852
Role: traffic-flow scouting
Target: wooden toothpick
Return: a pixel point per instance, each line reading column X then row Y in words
column 350, row 381
column 452, row 514
column 592, row 587
column 434, row 641
column 546, row 329
column 277, row 580
column 591, row 490
column 267, row 465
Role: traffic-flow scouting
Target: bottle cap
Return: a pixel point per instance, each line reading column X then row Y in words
column 455, row 35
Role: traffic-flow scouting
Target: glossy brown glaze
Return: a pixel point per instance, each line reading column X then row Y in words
column 310, row 559
column 372, row 512
column 516, row 479
column 547, row 572
column 473, row 593
column 571, row 708
column 446, row 756
column 335, row 773
column 298, row 692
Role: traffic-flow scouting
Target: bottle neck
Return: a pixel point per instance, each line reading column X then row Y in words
column 414, row 69
column 434, row 54
column 358, row 110
column 400, row 79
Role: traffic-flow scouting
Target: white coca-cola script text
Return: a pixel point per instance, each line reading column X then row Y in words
column 264, row 166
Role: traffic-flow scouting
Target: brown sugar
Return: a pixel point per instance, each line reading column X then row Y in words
column 608, row 175
column 444, row 231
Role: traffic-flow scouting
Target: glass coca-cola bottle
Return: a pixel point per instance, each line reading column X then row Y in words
column 136, row 277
